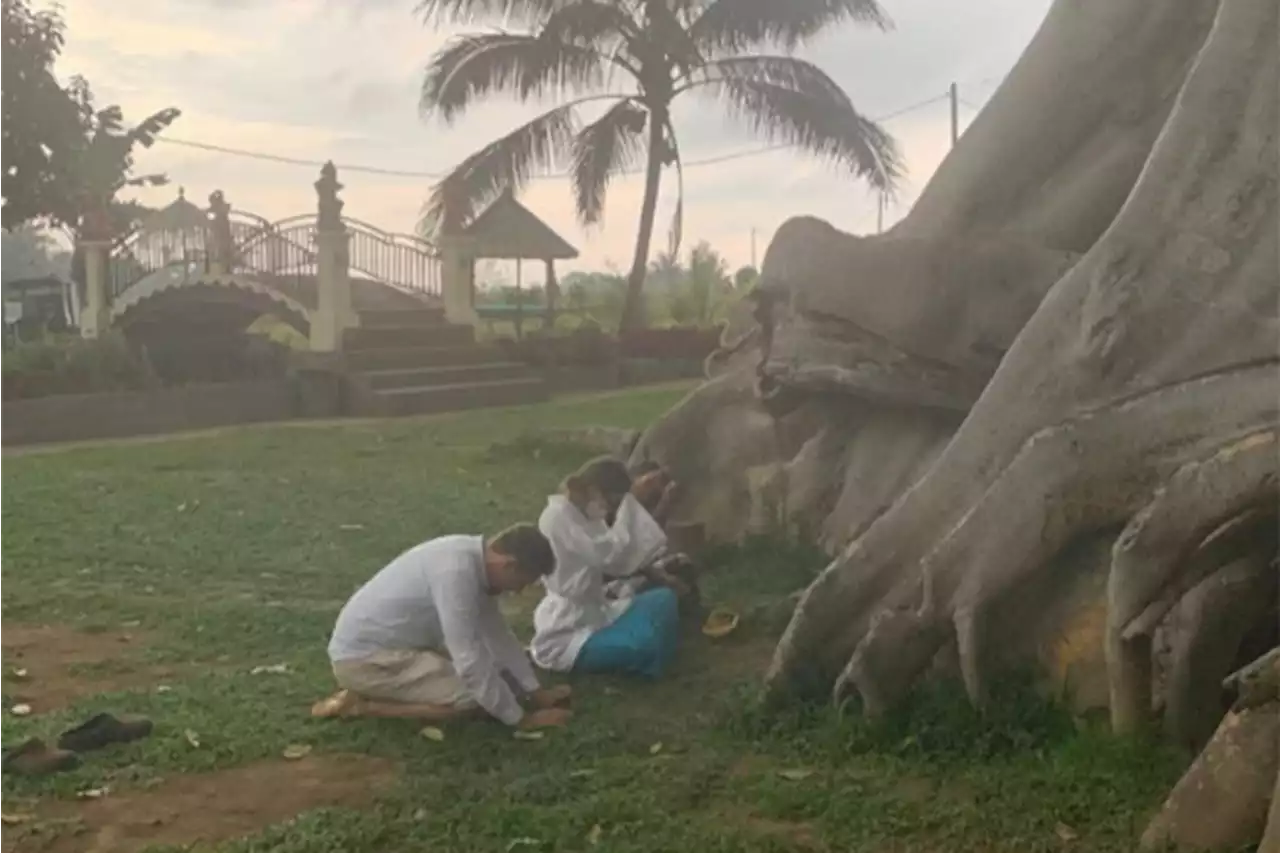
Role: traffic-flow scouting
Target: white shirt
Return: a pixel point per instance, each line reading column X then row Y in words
column 588, row 554
column 435, row 597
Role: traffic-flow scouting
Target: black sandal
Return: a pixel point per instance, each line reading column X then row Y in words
column 34, row 757
column 103, row 730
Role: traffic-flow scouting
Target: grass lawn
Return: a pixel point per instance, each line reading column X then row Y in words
column 153, row 577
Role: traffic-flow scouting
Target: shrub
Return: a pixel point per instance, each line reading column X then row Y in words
column 586, row 346
column 684, row 343
column 205, row 358
column 74, row 365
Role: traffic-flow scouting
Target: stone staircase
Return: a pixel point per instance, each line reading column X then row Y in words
column 410, row 361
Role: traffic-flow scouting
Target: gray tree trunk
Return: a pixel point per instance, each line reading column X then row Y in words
column 1089, row 289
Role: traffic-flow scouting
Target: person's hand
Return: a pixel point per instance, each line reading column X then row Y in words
column 669, row 493
column 551, row 697
column 647, row 487
column 669, row 580
column 546, row 718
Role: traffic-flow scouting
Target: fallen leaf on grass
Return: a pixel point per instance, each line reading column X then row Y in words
column 656, row 748
column 294, row 751
column 192, row 738
column 798, row 774
column 720, row 623
column 1066, row 833
column 21, row 710
column 351, row 527
column 594, row 836
column 19, row 673
column 93, row 793
column 523, row 842
column 432, row 733
column 270, row 669
column 520, row 734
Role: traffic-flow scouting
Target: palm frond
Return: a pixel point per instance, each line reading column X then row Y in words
column 473, row 66
column 733, row 25
column 676, row 234
column 605, row 27
column 669, row 36
column 503, row 164
column 811, row 119
column 109, row 120
column 786, row 71
column 502, row 12
column 154, row 180
column 145, row 132
column 611, row 143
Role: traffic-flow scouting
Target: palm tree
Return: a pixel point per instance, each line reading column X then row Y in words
column 636, row 57
column 665, row 270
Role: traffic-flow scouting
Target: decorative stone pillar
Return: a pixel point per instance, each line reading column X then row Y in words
column 333, row 312
column 219, row 244
column 457, row 280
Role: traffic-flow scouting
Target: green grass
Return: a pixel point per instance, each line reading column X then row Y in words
column 237, row 549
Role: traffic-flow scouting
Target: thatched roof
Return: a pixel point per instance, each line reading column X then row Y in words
column 179, row 216
column 508, row 230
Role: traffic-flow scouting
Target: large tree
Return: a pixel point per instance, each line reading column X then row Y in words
column 634, row 58
column 65, row 159
column 1053, row 441
column 41, row 126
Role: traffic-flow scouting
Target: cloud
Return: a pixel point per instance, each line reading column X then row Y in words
column 325, row 79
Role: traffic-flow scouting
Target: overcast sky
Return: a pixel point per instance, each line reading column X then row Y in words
column 338, row 79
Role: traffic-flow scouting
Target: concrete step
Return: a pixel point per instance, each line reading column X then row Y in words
column 389, row 337
column 421, row 377
column 398, row 358
column 426, row 316
column 451, row 398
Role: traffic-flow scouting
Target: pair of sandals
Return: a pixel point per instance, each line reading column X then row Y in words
column 34, row 757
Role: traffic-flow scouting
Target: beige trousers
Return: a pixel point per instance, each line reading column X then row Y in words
column 408, row 676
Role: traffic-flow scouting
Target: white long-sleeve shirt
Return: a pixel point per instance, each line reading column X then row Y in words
column 435, row 597
column 588, row 554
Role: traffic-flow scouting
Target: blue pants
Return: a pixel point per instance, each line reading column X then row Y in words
column 641, row 642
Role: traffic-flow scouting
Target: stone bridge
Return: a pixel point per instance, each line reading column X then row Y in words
column 318, row 271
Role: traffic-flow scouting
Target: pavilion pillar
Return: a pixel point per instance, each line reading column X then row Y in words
column 552, row 290
column 457, row 281
column 333, row 312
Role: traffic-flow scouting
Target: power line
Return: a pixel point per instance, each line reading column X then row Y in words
column 405, row 173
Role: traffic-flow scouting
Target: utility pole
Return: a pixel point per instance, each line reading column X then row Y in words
column 753, row 248
column 955, row 113
column 880, row 212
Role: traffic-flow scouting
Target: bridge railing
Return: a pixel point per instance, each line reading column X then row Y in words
column 281, row 255
column 401, row 260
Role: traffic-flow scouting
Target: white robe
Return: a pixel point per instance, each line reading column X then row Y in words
column 575, row 606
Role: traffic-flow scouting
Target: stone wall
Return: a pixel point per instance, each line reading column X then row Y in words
column 79, row 417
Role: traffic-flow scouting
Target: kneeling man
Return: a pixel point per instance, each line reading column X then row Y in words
column 424, row 638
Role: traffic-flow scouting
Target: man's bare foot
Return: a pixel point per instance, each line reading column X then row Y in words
column 344, row 703
column 552, row 697
column 546, row 718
